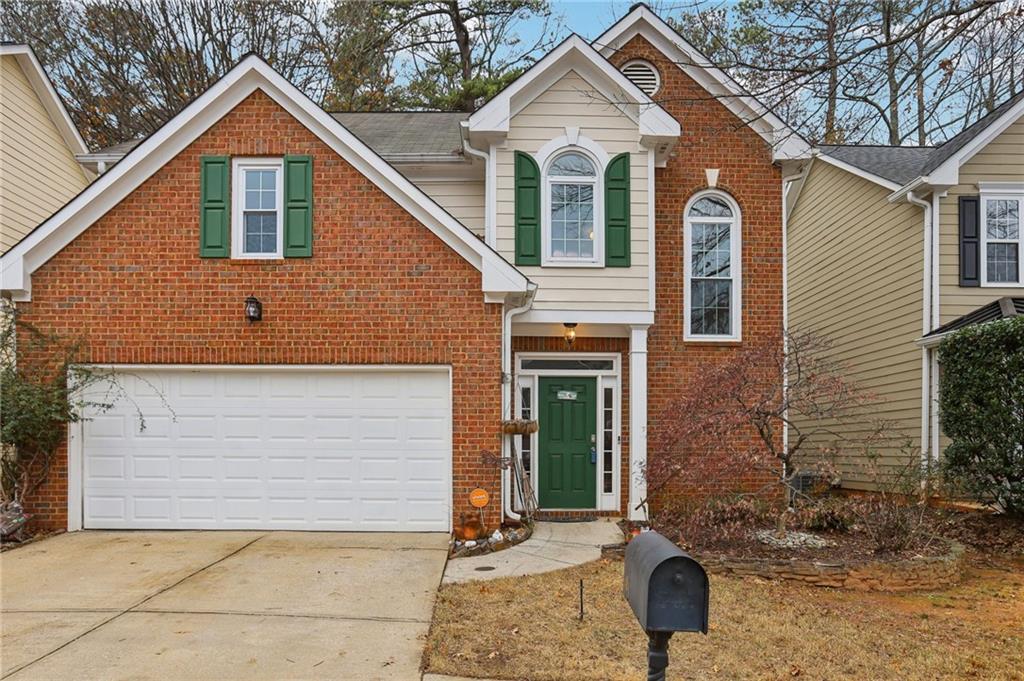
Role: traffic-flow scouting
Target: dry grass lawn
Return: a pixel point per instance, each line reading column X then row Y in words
column 529, row 628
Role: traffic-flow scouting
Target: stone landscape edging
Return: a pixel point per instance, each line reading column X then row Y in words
column 910, row 574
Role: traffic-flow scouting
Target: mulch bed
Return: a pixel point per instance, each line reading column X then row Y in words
column 988, row 534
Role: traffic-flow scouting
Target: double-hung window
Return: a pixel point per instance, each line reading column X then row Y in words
column 1002, row 238
column 573, row 207
column 712, row 268
column 257, row 216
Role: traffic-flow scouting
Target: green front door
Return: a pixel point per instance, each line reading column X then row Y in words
column 568, row 427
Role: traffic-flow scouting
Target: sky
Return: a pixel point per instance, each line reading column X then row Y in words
column 590, row 18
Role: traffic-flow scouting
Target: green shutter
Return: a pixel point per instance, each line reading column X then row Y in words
column 616, row 212
column 298, row 206
column 214, row 206
column 527, row 210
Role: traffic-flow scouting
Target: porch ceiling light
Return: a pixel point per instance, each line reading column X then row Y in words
column 570, row 333
column 253, row 309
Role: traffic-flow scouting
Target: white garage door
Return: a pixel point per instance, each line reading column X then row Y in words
column 310, row 449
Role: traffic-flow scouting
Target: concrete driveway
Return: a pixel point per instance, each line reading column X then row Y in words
column 218, row 605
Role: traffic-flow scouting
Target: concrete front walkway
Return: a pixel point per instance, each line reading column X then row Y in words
column 553, row 546
column 218, row 605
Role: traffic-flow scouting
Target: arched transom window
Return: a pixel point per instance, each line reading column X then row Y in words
column 573, row 203
column 712, row 252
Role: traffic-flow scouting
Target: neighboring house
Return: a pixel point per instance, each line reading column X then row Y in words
column 38, row 145
column 418, row 275
column 891, row 247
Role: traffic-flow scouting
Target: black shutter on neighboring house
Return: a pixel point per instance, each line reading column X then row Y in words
column 970, row 241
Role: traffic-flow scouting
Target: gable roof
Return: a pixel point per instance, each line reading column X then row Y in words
column 896, row 168
column 399, row 136
column 574, row 54
column 896, row 164
column 786, row 143
column 249, row 75
column 1002, row 308
column 969, row 134
column 44, row 89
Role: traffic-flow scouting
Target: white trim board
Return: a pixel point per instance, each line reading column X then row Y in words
column 786, row 143
column 251, row 74
column 859, row 172
column 574, row 54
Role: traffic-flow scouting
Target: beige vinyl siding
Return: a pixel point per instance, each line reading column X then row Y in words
column 464, row 199
column 1002, row 160
column 571, row 101
column 38, row 173
column 855, row 276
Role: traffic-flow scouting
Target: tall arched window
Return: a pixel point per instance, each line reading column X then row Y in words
column 712, row 267
column 573, row 205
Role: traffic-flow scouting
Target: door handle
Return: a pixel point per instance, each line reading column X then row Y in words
column 593, row 455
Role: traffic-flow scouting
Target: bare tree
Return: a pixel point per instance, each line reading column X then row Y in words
column 729, row 424
column 462, row 53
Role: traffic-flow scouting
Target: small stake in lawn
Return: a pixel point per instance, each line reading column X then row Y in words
column 581, row 600
column 668, row 591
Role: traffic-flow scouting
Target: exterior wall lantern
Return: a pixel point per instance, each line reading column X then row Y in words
column 570, row 333
column 253, row 309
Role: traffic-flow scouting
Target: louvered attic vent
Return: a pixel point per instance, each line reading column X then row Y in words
column 643, row 75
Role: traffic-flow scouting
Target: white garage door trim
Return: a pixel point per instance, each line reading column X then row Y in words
column 76, row 431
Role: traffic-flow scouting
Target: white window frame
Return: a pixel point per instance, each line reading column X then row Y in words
column 735, row 263
column 997, row 191
column 606, row 378
column 238, row 168
column 598, row 183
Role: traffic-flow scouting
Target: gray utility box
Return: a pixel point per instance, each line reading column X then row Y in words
column 667, row 589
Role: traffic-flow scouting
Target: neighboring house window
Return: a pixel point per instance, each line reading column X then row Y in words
column 712, row 267
column 573, row 209
column 1002, row 238
column 257, row 214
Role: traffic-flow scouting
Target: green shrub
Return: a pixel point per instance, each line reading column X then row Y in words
column 981, row 406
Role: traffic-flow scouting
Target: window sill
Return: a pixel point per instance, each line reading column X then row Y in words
column 571, row 263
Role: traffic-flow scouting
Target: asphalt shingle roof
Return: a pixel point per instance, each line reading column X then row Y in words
column 392, row 135
column 407, row 132
column 903, row 164
column 896, row 164
column 997, row 309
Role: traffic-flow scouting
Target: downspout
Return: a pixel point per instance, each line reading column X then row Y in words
column 490, row 188
column 507, row 400
column 936, row 220
column 926, row 327
column 786, row 184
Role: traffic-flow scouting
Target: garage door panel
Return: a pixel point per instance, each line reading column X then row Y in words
column 249, row 450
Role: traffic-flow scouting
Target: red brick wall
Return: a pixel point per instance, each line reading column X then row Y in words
column 380, row 288
column 712, row 137
column 618, row 346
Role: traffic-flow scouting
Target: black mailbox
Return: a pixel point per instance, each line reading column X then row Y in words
column 668, row 591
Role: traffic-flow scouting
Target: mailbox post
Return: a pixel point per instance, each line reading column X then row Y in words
column 668, row 592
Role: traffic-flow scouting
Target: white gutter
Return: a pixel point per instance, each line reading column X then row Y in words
column 926, row 324
column 507, row 400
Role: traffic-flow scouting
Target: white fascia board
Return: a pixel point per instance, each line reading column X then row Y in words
column 17, row 265
column 573, row 54
column 859, row 172
column 786, row 143
column 948, row 171
column 51, row 101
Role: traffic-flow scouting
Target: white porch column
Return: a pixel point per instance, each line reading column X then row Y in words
column 637, row 420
